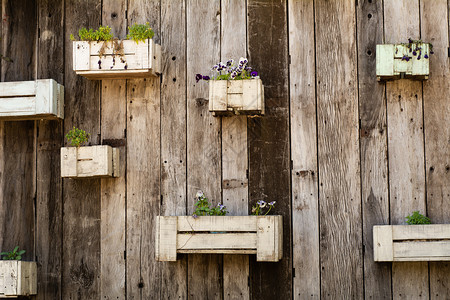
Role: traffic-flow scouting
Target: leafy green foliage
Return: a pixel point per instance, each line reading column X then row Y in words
column 202, row 207
column 13, row 255
column 77, row 137
column 101, row 34
column 140, row 32
column 262, row 206
column 417, row 218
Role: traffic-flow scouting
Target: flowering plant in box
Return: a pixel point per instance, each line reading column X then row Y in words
column 229, row 71
column 203, row 207
column 261, row 206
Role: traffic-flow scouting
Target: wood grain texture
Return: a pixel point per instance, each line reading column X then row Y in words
column 405, row 146
column 203, row 137
column 81, row 198
column 373, row 145
column 173, row 135
column 436, row 89
column 233, row 45
column 268, row 136
column 338, row 151
column 49, row 223
column 305, row 217
column 18, row 172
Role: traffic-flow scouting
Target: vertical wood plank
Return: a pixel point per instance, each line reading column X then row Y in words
column 203, row 136
column 305, row 217
column 113, row 190
column 50, row 64
column 81, row 198
column 173, row 135
column 373, row 143
column 405, row 146
column 234, row 149
column 436, row 91
column 143, row 168
column 268, row 136
column 18, row 173
column 338, row 150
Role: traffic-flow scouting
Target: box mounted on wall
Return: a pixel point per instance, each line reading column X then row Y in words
column 31, row 100
column 17, row 278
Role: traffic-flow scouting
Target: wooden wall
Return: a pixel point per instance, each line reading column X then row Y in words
column 338, row 151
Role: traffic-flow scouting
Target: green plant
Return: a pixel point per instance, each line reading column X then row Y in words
column 260, row 206
column 140, row 32
column 77, row 137
column 417, row 218
column 13, row 255
column 203, row 207
column 103, row 33
column 229, row 71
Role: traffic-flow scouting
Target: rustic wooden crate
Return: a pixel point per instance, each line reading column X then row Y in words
column 228, row 97
column 412, row 242
column 140, row 60
column 17, row 278
column 31, row 100
column 92, row 161
column 391, row 66
column 260, row 235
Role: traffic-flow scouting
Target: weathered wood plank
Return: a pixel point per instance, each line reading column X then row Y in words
column 436, row 30
column 18, row 138
column 81, row 198
column 49, row 223
column 373, row 146
column 268, row 136
column 173, row 135
column 405, row 146
column 305, row 217
column 203, row 136
column 338, row 151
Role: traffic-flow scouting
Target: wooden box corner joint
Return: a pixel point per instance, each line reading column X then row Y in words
column 31, row 100
column 17, row 278
column 397, row 61
column 123, row 59
column 411, row 242
column 230, row 97
column 260, row 235
column 92, row 161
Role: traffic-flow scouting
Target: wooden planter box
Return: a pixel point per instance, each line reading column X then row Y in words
column 260, row 235
column 92, row 161
column 17, row 278
column 31, row 100
column 228, row 97
column 139, row 60
column 392, row 65
column 412, row 242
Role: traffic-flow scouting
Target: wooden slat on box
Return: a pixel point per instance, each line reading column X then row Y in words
column 17, row 278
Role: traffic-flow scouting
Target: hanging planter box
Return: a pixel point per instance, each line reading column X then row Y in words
column 228, row 97
column 412, row 242
column 92, row 161
column 117, row 59
column 403, row 61
column 17, row 278
column 31, row 100
column 260, row 235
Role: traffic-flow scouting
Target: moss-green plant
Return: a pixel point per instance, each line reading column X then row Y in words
column 202, row 207
column 140, row 32
column 16, row 254
column 417, row 218
column 77, row 137
column 103, row 33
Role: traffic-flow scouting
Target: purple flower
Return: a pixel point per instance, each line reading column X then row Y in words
column 410, row 41
column 254, row 74
column 425, row 56
column 229, row 62
column 233, row 74
column 261, row 203
column 272, row 203
column 407, row 58
column 221, row 206
column 414, row 53
column 206, row 78
column 198, row 77
column 194, row 216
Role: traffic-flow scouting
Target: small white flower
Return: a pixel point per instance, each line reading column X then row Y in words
column 199, row 194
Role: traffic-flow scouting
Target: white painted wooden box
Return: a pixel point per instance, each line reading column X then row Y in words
column 17, row 278
column 134, row 60
column 92, row 161
column 395, row 61
column 412, row 242
column 228, row 97
column 260, row 235
column 31, row 100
